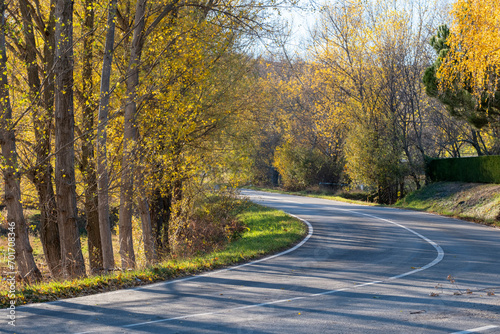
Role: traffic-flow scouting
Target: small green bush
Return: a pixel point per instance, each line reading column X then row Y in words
column 301, row 167
column 484, row 169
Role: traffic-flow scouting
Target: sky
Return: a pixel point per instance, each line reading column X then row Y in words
column 296, row 22
column 302, row 21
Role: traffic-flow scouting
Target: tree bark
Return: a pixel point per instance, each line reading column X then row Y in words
column 130, row 136
column 40, row 174
column 147, row 231
column 145, row 213
column 102, row 164
column 24, row 253
column 87, row 163
column 72, row 259
column 130, row 139
column 475, row 142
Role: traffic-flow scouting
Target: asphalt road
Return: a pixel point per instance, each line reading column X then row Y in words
column 361, row 270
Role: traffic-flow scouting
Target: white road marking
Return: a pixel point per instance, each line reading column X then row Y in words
column 270, row 198
column 309, row 234
column 438, row 259
column 475, row 330
column 190, row 278
column 438, row 248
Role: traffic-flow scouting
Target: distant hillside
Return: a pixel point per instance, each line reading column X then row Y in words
column 472, row 201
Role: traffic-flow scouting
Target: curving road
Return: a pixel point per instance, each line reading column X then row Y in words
column 361, row 270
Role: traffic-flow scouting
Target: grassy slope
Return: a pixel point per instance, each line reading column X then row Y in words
column 472, row 201
column 267, row 231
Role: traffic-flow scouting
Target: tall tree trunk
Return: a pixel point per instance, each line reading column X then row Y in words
column 72, row 258
column 24, row 253
column 49, row 229
column 130, row 139
column 147, row 229
column 130, row 135
column 87, row 164
column 177, row 219
column 41, row 173
column 102, row 163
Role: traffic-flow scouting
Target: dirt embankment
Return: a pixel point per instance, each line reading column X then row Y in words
column 473, row 201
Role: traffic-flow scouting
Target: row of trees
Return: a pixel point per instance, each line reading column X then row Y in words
column 359, row 105
column 123, row 104
column 144, row 106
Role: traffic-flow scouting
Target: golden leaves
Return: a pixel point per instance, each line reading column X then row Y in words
column 474, row 41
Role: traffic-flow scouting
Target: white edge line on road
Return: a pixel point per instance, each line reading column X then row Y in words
column 475, row 330
column 438, row 248
column 309, row 234
column 438, row 259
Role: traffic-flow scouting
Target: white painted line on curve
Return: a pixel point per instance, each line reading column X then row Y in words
column 309, row 234
column 190, row 278
column 438, row 259
column 438, row 248
column 476, row 330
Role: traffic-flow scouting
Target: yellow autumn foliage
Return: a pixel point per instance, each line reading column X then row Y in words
column 474, row 41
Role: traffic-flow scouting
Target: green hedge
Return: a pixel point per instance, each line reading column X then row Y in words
column 484, row 169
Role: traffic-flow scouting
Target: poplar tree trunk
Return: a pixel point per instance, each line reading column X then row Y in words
column 42, row 114
column 24, row 254
column 71, row 251
column 147, row 230
column 102, row 164
column 130, row 140
column 87, row 163
column 177, row 219
column 130, row 135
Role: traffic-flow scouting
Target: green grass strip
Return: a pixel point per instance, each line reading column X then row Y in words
column 267, row 231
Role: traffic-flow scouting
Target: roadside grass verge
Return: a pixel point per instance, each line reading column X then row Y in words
column 267, row 231
column 476, row 202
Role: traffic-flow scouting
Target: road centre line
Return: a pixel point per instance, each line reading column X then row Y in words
column 476, row 330
column 438, row 259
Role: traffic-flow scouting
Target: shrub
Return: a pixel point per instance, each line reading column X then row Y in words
column 212, row 224
column 375, row 160
column 483, row 169
column 301, row 167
